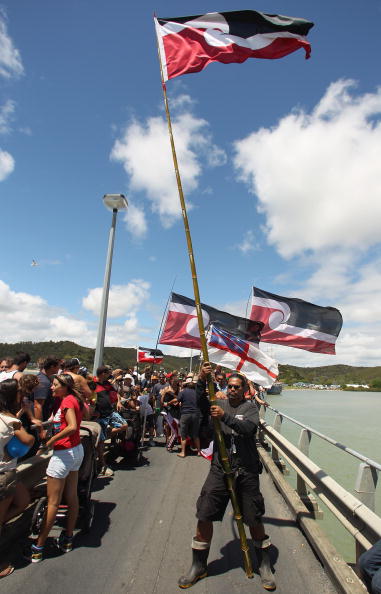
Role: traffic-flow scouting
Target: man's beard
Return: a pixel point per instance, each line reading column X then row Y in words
column 235, row 400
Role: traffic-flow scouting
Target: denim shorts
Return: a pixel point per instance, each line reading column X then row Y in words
column 114, row 420
column 64, row 461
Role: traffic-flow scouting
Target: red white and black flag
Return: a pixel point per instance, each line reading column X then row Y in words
column 149, row 355
column 188, row 44
column 181, row 325
column 293, row 322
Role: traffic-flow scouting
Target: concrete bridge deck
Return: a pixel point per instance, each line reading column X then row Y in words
column 140, row 541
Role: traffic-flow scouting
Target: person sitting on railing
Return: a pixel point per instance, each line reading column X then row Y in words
column 14, row 497
column 370, row 566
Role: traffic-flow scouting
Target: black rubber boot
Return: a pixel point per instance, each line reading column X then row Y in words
column 262, row 549
column 198, row 570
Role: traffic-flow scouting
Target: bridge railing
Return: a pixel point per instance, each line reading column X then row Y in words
column 356, row 513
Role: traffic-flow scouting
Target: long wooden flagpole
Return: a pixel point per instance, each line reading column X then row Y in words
column 216, row 422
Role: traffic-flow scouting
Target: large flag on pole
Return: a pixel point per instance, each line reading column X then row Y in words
column 181, row 326
column 149, row 355
column 234, row 353
column 188, row 44
column 293, row 322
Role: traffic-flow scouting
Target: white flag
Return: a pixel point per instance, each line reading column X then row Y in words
column 235, row 353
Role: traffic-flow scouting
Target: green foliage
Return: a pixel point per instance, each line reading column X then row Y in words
column 65, row 349
column 331, row 374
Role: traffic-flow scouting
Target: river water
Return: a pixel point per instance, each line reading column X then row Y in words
column 351, row 418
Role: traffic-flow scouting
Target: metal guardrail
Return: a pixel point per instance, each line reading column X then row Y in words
column 337, row 444
column 356, row 514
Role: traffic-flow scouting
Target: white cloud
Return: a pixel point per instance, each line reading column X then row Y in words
column 26, row 317
column 317, row 176
column 248, row 243
column 135, row 221
column 123, row 299
column 182, row 101
column 30, row 317
column 215, row 156
column 6, row 113
column 317, row 180
column 10, row 59
column 144, row 150
column 355, row 286
column 7, row 164
column 237, row 308
column 355, row 346
column 26, row 130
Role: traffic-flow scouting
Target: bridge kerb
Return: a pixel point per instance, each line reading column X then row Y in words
column 360, row 521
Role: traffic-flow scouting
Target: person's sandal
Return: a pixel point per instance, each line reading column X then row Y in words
column 6, row 571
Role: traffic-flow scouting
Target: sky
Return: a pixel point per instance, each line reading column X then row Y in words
column 280, row 164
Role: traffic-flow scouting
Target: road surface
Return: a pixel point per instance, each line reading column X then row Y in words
column 141, row 539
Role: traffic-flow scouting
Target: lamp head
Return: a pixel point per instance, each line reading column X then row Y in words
column 115, row 201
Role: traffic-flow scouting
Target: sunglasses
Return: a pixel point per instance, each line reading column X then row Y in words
column 233, row 387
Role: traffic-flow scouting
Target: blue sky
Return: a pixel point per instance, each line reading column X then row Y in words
column 280, row 161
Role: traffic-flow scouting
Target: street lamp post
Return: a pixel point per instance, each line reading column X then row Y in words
column 112, row 202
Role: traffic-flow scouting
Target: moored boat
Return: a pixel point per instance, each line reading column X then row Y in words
column 275, row 389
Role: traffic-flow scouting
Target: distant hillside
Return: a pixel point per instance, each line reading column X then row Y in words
column 122, row 357
column 65, row 349
column 331, row 374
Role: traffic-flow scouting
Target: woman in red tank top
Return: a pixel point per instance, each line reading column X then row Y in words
column 62, row 471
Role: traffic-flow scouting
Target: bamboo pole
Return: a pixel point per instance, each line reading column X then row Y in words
column 216, row 422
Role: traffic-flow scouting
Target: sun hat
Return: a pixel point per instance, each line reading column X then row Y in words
column 190, row 379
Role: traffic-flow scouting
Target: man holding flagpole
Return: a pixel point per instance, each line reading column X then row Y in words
column 188, row 44
column 239, row 422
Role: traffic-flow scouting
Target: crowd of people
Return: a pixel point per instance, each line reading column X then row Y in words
column 63, row 394
column 44, row 411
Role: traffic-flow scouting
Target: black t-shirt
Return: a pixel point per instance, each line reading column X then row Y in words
column 103, row 405
column 239, row 426
column 189, row 401
column 173, row 410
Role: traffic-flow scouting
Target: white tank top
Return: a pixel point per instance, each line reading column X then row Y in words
column 7, row 374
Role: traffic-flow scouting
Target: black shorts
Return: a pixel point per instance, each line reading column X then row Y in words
column 150, row 421
column 190, row 425
column 7, row 484
column 214, row 497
